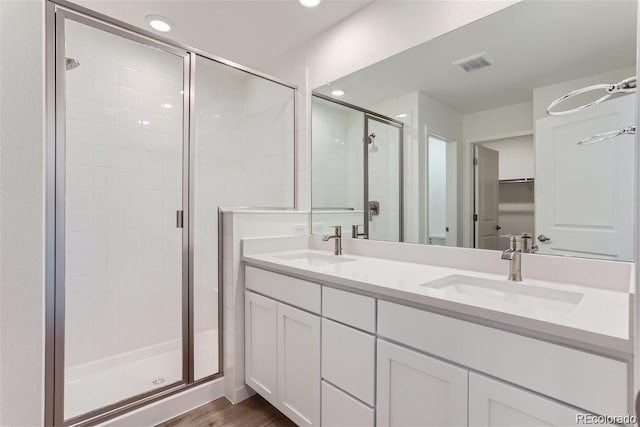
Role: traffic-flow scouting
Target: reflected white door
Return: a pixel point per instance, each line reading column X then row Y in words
column 584, row 194
column 486, row 198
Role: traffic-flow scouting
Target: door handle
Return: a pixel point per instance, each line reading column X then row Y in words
column 543, row 238
column 498, row 227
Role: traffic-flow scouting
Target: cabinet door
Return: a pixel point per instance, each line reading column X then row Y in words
column 494, row 403
column 418, row 390
column 260, row 345
column 299, row 365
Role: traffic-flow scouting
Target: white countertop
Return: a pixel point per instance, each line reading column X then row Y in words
column 601, row 318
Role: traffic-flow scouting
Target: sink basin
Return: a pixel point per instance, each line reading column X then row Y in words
column 494, row 291
column 314, row 258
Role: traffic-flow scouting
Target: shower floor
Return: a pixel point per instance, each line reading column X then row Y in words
column 97, row 384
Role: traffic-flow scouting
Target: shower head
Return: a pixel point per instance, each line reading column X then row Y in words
column 371, row 141
column 71, row 64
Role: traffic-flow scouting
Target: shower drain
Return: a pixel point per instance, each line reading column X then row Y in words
column 159, row 381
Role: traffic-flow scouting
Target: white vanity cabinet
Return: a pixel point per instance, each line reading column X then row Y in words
column 329, row 357
column 417, row 390
column 493, row 403
column 282, row 344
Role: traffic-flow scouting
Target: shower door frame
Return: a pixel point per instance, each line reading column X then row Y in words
column 372, row 115
column 57, row 11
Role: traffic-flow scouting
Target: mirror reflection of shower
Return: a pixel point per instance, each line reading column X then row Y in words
column 373, row 148
column 71, row 64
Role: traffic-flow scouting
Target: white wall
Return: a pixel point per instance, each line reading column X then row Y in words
column 337, row 156
column 376, row 32
column 22, row 215
column 372, row 34
column 517, row 156
column 501, row 122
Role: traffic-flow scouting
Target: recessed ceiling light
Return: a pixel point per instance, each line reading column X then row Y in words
column 337, row 92
column 401, row 115
column 159, row 23
column 143, row 122
column 309, row 3
column 166, row 105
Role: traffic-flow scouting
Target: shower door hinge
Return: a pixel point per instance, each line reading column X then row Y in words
column 180, row 219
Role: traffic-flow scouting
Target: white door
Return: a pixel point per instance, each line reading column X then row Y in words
column 584, row 194
column 493, row 403
column 260, row 345
column 486, row 197
column 417, row 390
column 299, row 365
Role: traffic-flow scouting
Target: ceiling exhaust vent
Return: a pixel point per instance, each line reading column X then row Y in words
column 473, row 62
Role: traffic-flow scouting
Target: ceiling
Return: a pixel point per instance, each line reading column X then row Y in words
column 531, row 44
column 250, row 32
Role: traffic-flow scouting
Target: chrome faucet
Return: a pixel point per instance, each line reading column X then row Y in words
column 355, row 232
column 514, row 256
column 338, row 237
column 526, row 245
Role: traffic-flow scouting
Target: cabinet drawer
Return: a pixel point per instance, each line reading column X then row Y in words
column 340, row 409
column 296, row 292
column 348, row 360
column 346, row 307
column 586, row 380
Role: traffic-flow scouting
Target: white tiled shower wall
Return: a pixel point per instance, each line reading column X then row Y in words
column 244, row 156
column 125, row 146
column 337, row 166
column 384, row 181
column 123, row 187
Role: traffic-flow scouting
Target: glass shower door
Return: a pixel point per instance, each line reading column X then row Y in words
column 121, row 251
column 383, row 172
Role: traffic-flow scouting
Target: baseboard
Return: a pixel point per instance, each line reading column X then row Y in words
column 240, row 394
column 171, row 407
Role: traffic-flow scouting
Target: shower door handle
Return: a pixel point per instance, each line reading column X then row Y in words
column 179, row 219
column 374, row 209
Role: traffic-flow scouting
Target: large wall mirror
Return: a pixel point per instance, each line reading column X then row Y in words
column 450, row 142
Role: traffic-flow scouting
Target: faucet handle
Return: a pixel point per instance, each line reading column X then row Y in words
column 337, row 230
